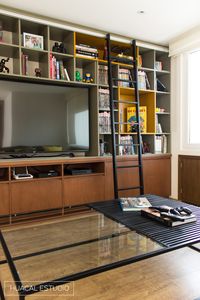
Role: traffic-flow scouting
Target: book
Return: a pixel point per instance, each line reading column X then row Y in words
column 142, row 80
column 155, row 215
column 131, row 118
column 134, row 203
column 126, row 145
column 66, row 74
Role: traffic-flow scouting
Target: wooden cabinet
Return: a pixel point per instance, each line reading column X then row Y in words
column 157, row 176
column 188, row 179
column 83, row 189
column 4, row 199
column 36, row 195
column 64, row 190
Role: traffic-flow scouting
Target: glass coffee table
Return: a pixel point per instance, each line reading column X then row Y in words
column 39, row 257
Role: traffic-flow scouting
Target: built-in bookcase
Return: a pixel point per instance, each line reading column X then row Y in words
column 153, row 64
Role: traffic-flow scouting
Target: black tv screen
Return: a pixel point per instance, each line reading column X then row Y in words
column 38, row 118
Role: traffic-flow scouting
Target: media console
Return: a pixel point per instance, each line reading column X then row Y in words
column 62, row 183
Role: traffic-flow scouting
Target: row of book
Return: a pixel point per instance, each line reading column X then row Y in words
column 161, row 144
column 104, row 122
column 143, row 81
column 104, row 100
column 126, row 145
column 57, row 69
column 103, row 74
column 86, row 51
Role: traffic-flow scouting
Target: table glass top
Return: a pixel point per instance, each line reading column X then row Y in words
column 56, row 249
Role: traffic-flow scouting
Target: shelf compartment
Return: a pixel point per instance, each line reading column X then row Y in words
column 148, row 58
column 86, row 169
column 35, row 28
column 164, row 121
column 4, row 174
column 164, row 78
column 9, row 31
column 163, row 57
column 39, row 171
column 11, row 52
column 163, row 101
column 68, row 63
column 92, row 41
column 86, row 66
column 36, row 59
column 61, row 36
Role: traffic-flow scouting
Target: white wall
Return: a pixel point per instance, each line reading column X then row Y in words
column 178, row 52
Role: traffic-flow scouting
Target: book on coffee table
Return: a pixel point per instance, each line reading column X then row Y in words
column 134, row 203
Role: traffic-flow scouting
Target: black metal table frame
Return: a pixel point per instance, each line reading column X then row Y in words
column 25, row 291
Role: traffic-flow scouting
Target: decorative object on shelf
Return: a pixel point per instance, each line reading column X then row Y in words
column 146, row 147
column 3, row 66
column 37, row 72
column 87, row 78
column 33, row 41
column 78, row 76
column 59, row 48
column 158, row 66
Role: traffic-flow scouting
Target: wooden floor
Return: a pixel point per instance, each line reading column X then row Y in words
column 170, row 276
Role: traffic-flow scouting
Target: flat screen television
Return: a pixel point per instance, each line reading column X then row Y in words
column 38, row 119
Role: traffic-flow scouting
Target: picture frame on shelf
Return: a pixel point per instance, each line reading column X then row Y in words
column 33, row 41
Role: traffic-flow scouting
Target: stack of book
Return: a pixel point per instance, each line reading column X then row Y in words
column 161, row 144
column 104, row 122
column 103, row 74
column 124, row 74
column 57, row 69
column 24, row 64
column 126, row 145
column 104, row 100
column 86, row 51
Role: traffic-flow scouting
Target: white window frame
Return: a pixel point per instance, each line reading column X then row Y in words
column 185, row 107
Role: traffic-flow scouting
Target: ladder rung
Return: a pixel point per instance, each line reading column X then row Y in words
column 124, row 80
column 125, row 123
column 122, row 60
column 127, row 144
column 124, row 101
column 129, row 166
column 130, row 188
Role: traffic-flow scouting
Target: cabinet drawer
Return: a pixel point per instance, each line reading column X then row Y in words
column 36, row 195
column 83, row 190
column 4, row 199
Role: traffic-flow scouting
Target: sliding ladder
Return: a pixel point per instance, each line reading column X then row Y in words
column 115, row 146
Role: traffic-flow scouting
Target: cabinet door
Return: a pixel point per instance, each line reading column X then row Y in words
column 82, row 190
column 36, row 195
column 4, row 199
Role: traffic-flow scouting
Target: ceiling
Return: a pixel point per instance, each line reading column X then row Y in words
column 162, row 20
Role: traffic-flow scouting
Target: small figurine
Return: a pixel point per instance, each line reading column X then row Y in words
column 37, row 72
column 59, row 48
column 88, row 78
column 2, row 65
column 62, row 48
column 78, row 76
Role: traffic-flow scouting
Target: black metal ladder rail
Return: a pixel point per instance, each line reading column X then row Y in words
column 136, row 101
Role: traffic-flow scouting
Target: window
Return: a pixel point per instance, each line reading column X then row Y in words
column 194, row 98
